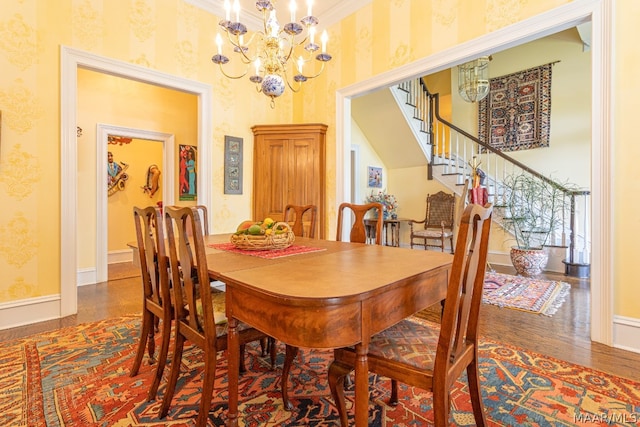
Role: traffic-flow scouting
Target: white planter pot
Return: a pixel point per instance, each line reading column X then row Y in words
column 529, row 262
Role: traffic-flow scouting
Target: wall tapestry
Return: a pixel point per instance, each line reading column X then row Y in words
column 232, row 165
column 516, row 115
column 188, row 161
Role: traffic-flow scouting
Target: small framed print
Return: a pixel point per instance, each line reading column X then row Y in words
column 232, row 165
column 375, row 177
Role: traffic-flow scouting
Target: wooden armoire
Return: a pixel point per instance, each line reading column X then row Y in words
column 289, row 168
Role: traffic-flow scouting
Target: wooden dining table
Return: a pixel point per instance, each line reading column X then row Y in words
column 338, row 296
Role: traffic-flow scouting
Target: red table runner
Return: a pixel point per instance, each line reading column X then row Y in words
column 267, row 254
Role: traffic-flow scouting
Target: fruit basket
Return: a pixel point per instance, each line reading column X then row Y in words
column 281, row 237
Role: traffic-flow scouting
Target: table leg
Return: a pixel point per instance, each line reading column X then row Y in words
column 233, row 354
column 362, row 386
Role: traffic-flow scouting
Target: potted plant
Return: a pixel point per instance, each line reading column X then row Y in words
column 533, row 211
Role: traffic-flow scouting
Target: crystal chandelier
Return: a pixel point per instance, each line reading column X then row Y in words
column 473, row 79
column 271, row 51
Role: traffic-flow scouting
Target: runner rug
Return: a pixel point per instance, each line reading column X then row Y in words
column 524, row 293
column 267, row 254
column 79, row 376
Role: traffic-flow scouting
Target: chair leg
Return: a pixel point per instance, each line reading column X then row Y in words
column 146, row 335
column 337, row 373
column 475, row 393
column 440, row 405
column 290, row 354
column 162, row 360
column 393, row 400
column 174, row 372
column 243, row 368
column 273, row 352
column 207, row 388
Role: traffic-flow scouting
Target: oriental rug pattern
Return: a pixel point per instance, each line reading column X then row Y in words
column 80, row 377
column 516, row 115
column 524, row 293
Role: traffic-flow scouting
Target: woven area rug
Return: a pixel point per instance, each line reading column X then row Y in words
column 79, row 376
column 523, row 293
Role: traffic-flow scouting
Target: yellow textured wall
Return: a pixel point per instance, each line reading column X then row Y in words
column 177, row 38
column 626, row 154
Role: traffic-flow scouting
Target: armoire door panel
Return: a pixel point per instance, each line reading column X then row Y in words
column 289, row 168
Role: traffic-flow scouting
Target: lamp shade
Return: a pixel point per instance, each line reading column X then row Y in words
column 473, row 79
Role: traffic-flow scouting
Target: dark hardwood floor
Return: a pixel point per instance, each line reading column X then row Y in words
column 564, row 336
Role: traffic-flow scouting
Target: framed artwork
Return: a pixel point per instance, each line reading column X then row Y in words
column 188, row 174
column 375, row 177
column 232, row 165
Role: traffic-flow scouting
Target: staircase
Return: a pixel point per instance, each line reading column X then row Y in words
column 451, row 151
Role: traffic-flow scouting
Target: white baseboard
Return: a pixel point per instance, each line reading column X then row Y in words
column 31, row 310
column 86, row 276
column 626, row 333
column 125, row 255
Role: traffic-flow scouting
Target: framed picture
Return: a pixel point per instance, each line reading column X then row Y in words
column 375, row 177
column 188, row 178
column 232, row 165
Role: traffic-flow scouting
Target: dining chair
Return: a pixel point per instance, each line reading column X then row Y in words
column 429, row 356
column 199, row 311
column 296, row 213
column 438, row 223
column 357, row 234
column 157, row 309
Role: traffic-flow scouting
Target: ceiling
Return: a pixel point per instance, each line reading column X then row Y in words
column 328, row 12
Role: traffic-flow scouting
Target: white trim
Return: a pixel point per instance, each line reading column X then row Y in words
column 253, row 19
column 70, row 60
column 558, row 19
column 626, row 333
column 123, row 255
column 168, row 181
column 27, row 311
column 340, row 11
column 86, row 276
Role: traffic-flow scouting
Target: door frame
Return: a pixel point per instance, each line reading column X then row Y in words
column 599, row 12
column 168, row 194
column 70, row 60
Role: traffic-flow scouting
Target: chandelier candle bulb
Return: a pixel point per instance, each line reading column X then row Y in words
column 219, row 43
column 324, row 38
column 300, row 64
column 236, row 9
column 227, row 10
column 292, row 9
column 309, row 4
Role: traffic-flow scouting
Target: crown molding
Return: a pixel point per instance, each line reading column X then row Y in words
column 253, row 19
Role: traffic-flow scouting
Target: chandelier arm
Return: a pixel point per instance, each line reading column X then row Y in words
column 318, row 73
column 233, row 77
column 286, row 79
column 240, row 49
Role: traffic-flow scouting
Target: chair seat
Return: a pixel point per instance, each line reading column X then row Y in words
column 411, row 341
column 436, row 234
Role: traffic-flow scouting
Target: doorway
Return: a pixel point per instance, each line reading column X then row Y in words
column 71, row 60
column 561, row 18
column 167, row 182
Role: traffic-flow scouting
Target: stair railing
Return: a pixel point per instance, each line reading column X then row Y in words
column 454, row 151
